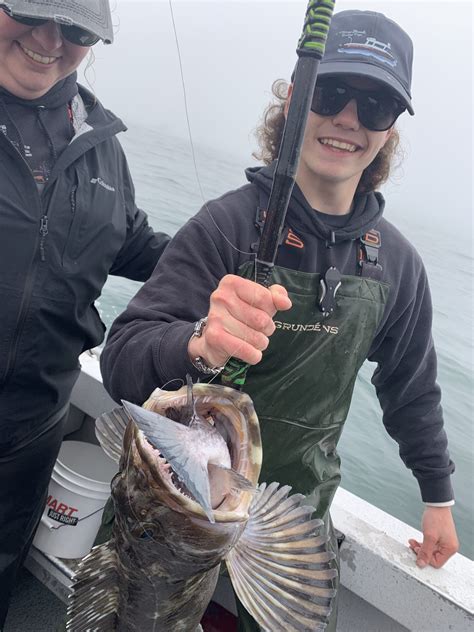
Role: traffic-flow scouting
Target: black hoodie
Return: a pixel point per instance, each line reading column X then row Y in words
column 40, row 128
column 147, row 345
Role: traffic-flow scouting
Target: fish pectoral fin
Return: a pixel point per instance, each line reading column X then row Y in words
column 109, row 430
column 281, row 568
column 234, row 481
column 93, row 599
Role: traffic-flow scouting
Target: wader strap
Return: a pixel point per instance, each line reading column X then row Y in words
column 368, row 255
column 291, row 250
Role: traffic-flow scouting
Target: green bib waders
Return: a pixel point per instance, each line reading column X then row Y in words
column 303, row 386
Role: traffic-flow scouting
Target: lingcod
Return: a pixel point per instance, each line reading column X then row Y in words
column 186, row 498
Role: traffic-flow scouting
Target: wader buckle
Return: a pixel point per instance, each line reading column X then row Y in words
column 329, row 286
column 369, row 250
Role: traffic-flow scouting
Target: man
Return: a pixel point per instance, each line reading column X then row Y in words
column 68, row 218
column 348, row 286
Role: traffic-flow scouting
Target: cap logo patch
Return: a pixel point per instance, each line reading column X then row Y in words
column 367, row 47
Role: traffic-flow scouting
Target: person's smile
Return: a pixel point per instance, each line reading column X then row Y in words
column 43, row 60
column 339, row 145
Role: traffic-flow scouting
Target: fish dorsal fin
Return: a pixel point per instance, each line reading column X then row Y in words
column 93, row 598
column 281, row 568
column 109, row 430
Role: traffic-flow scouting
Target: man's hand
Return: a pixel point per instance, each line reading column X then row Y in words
column 239, row 321
column 440, row 540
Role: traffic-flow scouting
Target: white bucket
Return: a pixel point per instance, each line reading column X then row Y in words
column 77, row 493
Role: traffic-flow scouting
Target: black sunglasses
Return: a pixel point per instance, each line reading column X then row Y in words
column 74, row 34
column 377, row 110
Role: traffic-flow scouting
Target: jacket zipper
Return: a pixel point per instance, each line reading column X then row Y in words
column 43, row 232
column 27, row 291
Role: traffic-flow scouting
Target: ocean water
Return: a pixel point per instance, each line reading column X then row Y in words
column 167, row 188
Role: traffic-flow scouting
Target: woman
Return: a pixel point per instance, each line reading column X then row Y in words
column 68, row 218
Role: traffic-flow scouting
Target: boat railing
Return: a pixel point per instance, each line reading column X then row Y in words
column 376, row 563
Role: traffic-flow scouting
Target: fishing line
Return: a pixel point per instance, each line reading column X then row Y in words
column 196, row 170
column 191, row 141
column 176, row 379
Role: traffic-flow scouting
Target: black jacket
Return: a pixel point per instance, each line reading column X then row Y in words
column 56, row 250
column 147, row 345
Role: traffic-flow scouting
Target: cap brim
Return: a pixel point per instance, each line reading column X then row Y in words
column 369, row 71
column 102, row 26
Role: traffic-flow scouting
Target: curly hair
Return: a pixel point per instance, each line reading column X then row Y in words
column 269, row 134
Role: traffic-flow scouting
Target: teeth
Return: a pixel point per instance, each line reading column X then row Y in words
column 39, row 58
column 338, row 144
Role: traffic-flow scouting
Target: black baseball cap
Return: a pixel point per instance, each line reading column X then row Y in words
column 368, row 44
column 91, row 15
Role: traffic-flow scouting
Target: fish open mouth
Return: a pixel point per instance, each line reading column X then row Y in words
column 172, row 464
column 163, row 473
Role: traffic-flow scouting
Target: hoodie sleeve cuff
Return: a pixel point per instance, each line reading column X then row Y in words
column 436, row 490
column 172, row 353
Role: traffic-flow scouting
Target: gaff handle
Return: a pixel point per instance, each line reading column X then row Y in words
column 316, row 28
column 310, row 50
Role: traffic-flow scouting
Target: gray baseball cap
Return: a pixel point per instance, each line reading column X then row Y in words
column 92, row 15
column 368, row 44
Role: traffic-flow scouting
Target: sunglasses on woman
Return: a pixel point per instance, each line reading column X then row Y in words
column 74, row 34
column 376, row 110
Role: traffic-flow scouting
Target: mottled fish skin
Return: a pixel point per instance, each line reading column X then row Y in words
column 168, row 551
column 159, row 570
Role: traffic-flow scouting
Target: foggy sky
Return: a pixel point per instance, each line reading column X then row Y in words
column 231, row 53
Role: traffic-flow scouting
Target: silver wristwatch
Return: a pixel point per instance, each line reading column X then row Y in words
column 199, row 363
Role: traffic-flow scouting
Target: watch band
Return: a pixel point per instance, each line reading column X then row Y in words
column 202, row 367
column 199, row 363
